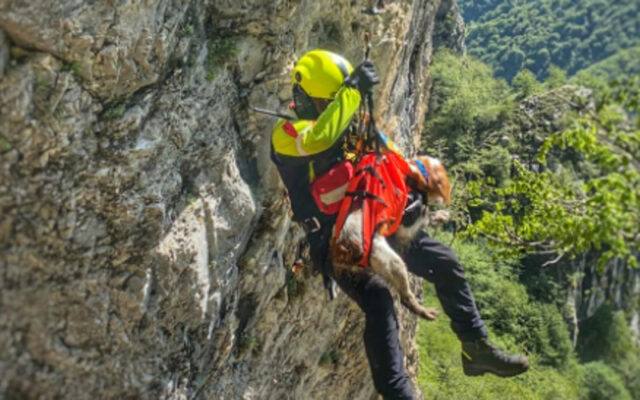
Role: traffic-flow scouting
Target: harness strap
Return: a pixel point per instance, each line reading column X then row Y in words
column 366, row 195
column 370, row 169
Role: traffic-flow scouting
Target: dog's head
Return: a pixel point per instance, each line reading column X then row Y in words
column 436, row 184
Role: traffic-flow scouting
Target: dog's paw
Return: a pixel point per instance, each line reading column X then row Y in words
column 430, row 313
column 440, row 216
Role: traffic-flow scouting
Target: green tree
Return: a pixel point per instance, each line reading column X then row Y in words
column 548, row 212
column 526, row 84
column 606, row 336
column 465, row 99
column 621, row 66
column 557, row 77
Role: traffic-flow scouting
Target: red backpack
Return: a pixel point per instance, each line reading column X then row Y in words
column 328, row 190
column 379, row 181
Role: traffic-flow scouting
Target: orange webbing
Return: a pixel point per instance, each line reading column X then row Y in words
column 380, row 182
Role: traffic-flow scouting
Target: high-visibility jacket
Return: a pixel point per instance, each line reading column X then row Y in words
column 304, row 149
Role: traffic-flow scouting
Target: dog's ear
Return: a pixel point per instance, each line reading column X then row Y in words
column 443, row 185
column 438, row 185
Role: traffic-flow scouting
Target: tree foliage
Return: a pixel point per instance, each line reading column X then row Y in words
column 540, row 170
column 556, row 78
column 602, row 383
column 607, row 337
column 625, row 64
column 526, row 84
column 515, row 321
column 549, row 212
column 465, row 99
column 517, row 34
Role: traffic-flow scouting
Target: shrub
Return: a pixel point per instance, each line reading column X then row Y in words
column 526, row 84
column 606, row 336
column 516, row 324
column 600, row 382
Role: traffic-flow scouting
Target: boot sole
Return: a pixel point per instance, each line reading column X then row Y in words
column 470, row 371
column 473, row 372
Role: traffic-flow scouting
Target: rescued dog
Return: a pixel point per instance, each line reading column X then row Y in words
column 428, row 177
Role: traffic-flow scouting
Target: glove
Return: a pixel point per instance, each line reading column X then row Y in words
column 363, row 78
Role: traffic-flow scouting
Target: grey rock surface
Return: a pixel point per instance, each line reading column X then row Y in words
column 4, row 53
column 449, row 31
column 146, row 242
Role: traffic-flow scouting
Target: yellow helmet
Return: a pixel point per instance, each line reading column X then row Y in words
column 321, row 73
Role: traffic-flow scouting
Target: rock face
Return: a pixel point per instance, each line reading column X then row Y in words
column 617, row 283
column 145, row 238
column 449, row 29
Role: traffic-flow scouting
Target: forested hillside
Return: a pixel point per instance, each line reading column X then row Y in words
column 625, row 63
column 546, row 192
column 518, row 34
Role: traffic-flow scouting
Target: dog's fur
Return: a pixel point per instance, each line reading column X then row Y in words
column 384, row 261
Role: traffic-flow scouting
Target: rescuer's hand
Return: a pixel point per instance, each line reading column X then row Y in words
column 363, row 78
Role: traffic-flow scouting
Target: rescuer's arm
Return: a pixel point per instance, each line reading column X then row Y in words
column 332, row 122
column 304, row 137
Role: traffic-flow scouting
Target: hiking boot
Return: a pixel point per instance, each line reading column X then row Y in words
column 481, row 356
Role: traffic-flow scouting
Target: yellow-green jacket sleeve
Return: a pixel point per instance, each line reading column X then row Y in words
column 317, row 136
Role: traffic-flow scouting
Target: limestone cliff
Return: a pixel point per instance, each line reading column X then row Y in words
column 145, row 237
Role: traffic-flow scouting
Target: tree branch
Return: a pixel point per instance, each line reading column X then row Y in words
column 554, row 261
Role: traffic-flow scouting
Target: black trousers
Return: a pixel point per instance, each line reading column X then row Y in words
column 431, row 260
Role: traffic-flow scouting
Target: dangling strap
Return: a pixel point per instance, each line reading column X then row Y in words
column 366, row 195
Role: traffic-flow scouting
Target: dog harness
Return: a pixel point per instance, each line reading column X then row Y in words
column 422, row 169
column 379, row 182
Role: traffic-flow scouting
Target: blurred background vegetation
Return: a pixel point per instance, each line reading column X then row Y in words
column 539, row 127
column 517, row 34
